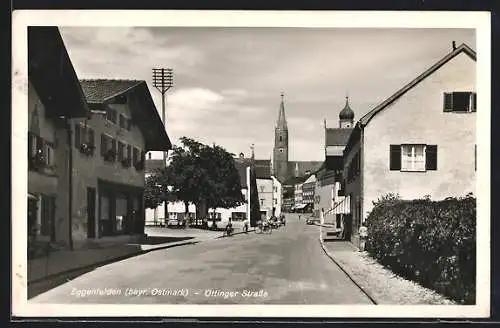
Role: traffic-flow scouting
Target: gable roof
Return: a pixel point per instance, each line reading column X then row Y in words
column 463, row 48
column 142, row 107
column 99, row 90
column 294, row 180
column 337, row 136
column 363, row 121
column 52, row 74
column 262, row 166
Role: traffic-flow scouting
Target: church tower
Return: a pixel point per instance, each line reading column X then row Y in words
column 280, row 151
column 346, row 116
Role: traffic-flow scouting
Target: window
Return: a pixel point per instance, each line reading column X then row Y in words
column 281, row 150
column 261, row 202
column 275, row 201
column 281, row 138
column 122, row 121
column 129, row 152
column 413, row 158
column 135, row 155
column 108, row 148
column 121, row 151
column 84, row 138
column 49, row 154
column 111, row 115
column 462, row 102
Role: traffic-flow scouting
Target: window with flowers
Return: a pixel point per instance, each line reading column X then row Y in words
column 108, row 148
column 84, row 139
column 41, row 153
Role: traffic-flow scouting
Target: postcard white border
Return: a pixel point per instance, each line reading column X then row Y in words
column 324, row 19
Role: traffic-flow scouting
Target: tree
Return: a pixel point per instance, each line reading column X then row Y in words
column 205, row 176
column 254, row 198
column 223, row 178
column 152, row 191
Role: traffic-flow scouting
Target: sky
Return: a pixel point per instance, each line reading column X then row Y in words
column 228, row 81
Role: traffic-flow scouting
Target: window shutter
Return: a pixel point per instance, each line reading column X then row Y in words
column 113, row 145
column 395, row 158
column 103, row 144
column 91, row 137
column 431, row 157
column 447, row 102
column 474, row 101
column 77, row 135
column 129, row 152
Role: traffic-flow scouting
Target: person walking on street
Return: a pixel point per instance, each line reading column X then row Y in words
column 363, row 234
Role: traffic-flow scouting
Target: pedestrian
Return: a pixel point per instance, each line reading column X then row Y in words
column 363, row 234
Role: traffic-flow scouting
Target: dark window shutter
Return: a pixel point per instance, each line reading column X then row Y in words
column 431, row 157
column 129, row 152
column 113, row 145
column 136, row 155
column 474, row 101
column 77, row 135
column 103, row 144
column 461, row 101
column 447, row 102
column 395, row 158
column 91, row 137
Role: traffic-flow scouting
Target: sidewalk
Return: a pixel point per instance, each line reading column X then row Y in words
column 64, row 261
column 379, row 283
column 61, row 262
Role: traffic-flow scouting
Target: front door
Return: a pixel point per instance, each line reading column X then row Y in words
column 91, row 212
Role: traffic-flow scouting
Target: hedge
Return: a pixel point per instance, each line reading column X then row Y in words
column 430, row 242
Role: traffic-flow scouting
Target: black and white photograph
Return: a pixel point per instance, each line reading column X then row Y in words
column 253, row 164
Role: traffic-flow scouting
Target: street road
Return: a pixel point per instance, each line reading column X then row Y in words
column 285, row 267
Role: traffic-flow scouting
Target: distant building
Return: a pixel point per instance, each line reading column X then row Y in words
column 329, row 197
column 420, row 141
column 308, row 190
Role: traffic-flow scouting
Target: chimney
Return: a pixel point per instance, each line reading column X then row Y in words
column 454, row 45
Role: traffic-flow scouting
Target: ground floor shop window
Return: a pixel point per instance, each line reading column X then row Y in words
column 238, row 216
column 120, row 212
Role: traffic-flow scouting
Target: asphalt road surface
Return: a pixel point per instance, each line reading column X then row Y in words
column 287, row 266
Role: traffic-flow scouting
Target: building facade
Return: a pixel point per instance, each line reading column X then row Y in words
column 419, row 142
column 109, row 150
column 54, row 97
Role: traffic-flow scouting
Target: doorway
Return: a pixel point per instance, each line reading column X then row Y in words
column 91, row 224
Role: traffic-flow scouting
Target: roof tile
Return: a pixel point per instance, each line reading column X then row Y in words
column 97, row 91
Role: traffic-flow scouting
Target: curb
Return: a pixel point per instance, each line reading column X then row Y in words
column 108, row 261
column 343, row 270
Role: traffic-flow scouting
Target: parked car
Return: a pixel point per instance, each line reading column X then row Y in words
column 312, row 220
column 175, row 223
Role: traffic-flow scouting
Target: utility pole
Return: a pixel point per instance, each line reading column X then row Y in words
column 163, row 80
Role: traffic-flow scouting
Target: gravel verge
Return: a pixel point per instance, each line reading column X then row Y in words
column 379, row 282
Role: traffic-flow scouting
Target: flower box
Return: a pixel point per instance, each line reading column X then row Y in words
column 87, row 149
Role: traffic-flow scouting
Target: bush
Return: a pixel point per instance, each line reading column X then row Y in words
column 430, row 242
